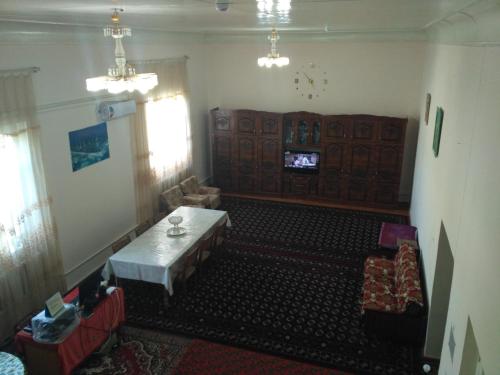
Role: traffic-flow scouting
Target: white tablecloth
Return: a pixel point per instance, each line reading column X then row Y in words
column 153, row 255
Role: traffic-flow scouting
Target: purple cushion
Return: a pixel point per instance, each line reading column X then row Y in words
column 389, row 234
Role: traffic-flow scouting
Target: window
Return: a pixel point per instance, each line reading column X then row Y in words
column 169, row 135
column 18, row 194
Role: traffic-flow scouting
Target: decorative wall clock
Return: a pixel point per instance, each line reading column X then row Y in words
column 310, row 81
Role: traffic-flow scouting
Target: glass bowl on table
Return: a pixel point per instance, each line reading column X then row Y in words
column 176, row 230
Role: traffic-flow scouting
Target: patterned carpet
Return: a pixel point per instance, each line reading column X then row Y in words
column 140, row 352
column 147, row 352
column 287, row 282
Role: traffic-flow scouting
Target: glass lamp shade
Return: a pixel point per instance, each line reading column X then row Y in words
column 116, row 85
column 269, row 61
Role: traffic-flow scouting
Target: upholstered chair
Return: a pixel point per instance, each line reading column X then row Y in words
column 120, row 243
column 173, row 199
column 191, row 188
column 141, row 228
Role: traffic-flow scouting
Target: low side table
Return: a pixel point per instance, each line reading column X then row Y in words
column 11, row 365
column 61, row 359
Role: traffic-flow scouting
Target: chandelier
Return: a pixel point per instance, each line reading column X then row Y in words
column 273, row 58
column 121, row 77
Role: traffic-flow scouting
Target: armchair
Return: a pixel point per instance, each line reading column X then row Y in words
column 173, row 199
column 191, row 188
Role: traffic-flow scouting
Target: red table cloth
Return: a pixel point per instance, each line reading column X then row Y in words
column 88, row 336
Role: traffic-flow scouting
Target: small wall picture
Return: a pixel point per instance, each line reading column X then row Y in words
column 437, row 130
column 427, row 108
column 89, row 146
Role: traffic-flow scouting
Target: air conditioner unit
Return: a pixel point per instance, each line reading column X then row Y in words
column 112, row 110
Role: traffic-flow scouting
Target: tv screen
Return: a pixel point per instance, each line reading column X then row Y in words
column 302, row 161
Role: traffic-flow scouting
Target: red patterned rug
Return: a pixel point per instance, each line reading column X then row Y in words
column 141, row 352
column 203, row 357
column 145, row 352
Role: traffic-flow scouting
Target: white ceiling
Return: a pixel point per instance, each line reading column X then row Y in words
column 200, row 16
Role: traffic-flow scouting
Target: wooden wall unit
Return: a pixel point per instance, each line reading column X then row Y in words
column 360, row 155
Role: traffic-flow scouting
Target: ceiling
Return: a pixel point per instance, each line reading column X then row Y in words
column 243, row 16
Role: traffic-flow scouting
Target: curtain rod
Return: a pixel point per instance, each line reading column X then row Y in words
column 155, row 61
column 33, row 69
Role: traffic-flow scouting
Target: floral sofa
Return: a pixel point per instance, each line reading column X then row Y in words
column 392, row 301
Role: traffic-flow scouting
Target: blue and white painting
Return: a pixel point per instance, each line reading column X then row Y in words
column 89, row 146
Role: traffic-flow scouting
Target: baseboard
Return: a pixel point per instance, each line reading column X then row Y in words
column 391, row 211
column 77, row 274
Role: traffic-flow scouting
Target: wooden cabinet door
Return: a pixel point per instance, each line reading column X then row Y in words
column 392, row 132
column 270, row 165
column 222, row 165
column 358, row 190
column 302, row 129
column 247, row 164
column 246, row 123
column 270, row 125
column 222, row 121
column 364, row 129
column 388, row 163
column 360, row 160
column 336, row 128
column 384, row 193
column 332, row 187
column 334, row 158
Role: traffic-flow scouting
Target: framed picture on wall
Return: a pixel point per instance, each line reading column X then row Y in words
column 427, row 108
column 437, row 130
column 88, row 146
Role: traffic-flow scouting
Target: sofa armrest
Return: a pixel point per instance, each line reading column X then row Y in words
column 209, row 190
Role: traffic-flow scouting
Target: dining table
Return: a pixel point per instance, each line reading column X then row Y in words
column 156, row 256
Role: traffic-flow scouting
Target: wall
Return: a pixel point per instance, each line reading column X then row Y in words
column 460, row 189
column 95, row 205
column 363, row 77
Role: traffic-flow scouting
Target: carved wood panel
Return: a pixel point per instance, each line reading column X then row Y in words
column 391, row 132
column 270, row 157
column 337, row 127
column 358, row 190
column 363, row 130
column 269, row 183
column 360, row 160
column 332, row 187
column 247, row 149
column 247, row 125
column 386, row 193
column 247, row 183
column 222, row 149
column 333, row 158
column 388, row 162
column 270, row 126
column 222, row 123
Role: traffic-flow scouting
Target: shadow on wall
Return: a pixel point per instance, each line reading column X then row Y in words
column 440, row 298
column 409, row 160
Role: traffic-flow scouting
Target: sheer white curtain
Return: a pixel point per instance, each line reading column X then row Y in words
column 30, row 261
column 161, row 135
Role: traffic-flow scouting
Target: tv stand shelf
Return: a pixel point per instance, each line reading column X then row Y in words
column 360, row 156
column 300, row 185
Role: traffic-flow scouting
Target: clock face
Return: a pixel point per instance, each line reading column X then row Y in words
column 310, row 81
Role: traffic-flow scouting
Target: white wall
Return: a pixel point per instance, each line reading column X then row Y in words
column 460, row 189
column 95, row 205
column 363, row 77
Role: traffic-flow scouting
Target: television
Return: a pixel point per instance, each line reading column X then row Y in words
column 302, row 161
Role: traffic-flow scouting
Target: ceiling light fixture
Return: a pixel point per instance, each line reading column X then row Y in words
column 121, row 77
column 273, row 58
